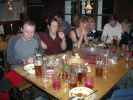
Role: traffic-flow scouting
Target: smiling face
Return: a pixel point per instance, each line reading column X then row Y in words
column 92, row 24
column 83, row 25
column 53, row 26
column 28, row 31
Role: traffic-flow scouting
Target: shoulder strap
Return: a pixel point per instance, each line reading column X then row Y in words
column 76, row 34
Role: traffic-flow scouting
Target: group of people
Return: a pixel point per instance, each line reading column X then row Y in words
column 122, row 32
column 60, row 37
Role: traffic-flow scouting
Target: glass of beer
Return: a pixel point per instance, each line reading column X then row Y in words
column 73, row 80
column 81, row 73
column 38, row 62
column 38, row 69
column 99, row 71
column 115, row 40
column 99, row 67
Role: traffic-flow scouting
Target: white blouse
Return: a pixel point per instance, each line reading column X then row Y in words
column 109, row 32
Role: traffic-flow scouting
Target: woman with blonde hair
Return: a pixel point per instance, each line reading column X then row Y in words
column 78, row 35
column 93, row 34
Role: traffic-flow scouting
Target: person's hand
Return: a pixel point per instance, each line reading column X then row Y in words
column 44, row 46
column 30, row 60
column 84, row 32
column 61, row 35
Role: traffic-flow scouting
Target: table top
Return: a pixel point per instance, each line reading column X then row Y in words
column 102, row 85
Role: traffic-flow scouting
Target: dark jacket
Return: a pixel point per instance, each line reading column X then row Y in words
column 125, row 38
column 96, row 34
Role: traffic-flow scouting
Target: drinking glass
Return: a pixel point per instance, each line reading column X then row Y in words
column 56, row 82
column 50, row 67
column 115, row 41
column 89, row 83
column 99, row 67
column 81, row 73
column 105, row 66
column 73, row 80
column 38, row 62
column 66, row 72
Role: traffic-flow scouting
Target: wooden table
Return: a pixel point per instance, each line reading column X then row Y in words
column 102, row 85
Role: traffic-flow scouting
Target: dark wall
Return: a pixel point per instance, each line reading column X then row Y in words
column 45, row 8
column 55, row 6
column 124, row 9
column 37, row 10
column 107, row 10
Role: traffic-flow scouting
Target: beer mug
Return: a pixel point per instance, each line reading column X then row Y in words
column 38, row 62
column 99, row 67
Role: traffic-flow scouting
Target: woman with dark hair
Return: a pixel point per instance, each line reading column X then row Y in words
column 64, row 26
column 54, row 41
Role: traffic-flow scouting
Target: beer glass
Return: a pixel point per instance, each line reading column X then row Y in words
column 38, row 62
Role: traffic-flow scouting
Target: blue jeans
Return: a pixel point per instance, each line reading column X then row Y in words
column 123, row 94
column 126, row 81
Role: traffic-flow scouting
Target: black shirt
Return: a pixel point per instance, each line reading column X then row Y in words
column 125, row 38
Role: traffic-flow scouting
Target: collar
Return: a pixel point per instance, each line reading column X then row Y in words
column 93, row 31
column 51, row 37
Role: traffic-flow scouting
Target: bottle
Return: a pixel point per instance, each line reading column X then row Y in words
column 66, row 72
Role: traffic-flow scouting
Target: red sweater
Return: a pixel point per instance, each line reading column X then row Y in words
column 53, row 46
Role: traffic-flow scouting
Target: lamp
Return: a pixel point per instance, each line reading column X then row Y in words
column 88, row 8
column 10, row 5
